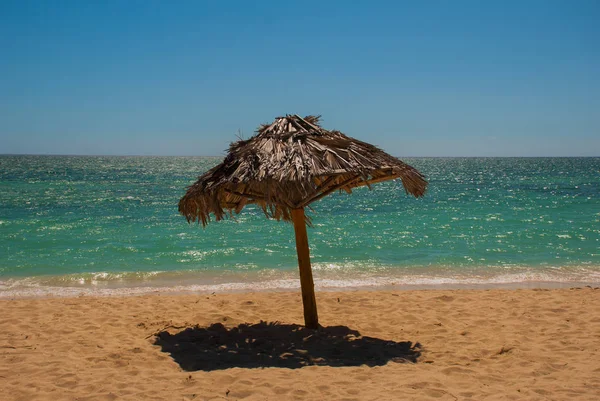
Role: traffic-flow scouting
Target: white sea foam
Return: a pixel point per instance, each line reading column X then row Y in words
column 96, row 284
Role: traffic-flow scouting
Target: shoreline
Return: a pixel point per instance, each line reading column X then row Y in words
column 326, row 278
column 20, row 291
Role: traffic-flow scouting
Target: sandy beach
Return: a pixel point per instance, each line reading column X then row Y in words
column 375, row 345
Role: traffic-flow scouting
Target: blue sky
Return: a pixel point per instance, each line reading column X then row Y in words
column 419, row 78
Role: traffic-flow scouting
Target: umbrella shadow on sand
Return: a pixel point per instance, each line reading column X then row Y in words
column 291, row 346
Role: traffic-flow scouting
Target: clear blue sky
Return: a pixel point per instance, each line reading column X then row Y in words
column 418, row 78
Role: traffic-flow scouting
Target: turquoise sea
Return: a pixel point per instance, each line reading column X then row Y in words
column 104, row 225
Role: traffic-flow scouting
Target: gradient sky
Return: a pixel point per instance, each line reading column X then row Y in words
column 419, row 78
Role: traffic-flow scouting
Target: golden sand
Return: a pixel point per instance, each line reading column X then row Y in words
column 375, row 345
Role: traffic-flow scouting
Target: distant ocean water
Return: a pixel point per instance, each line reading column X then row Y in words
column 103, row 225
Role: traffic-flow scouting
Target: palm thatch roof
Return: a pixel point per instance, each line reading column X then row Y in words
column 289, row 164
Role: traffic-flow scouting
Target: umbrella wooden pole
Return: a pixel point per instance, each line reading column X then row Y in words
column 311, row 319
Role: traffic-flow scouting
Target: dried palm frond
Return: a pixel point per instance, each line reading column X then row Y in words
column 289, row 164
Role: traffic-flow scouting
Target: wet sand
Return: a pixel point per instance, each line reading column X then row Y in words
column 494, row 344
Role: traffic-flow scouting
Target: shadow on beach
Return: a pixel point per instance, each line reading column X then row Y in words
column 291, row 346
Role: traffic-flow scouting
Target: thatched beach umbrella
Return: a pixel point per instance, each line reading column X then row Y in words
column 285, row 167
